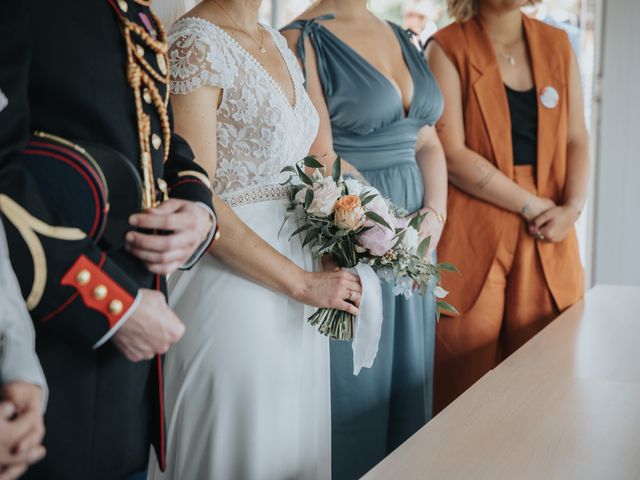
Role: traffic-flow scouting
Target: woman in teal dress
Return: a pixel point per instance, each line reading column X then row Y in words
column 378, row 102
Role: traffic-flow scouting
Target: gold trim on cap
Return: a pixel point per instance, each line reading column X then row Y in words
column 27, row 225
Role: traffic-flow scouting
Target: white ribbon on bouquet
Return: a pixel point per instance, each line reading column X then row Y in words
column 369, row 323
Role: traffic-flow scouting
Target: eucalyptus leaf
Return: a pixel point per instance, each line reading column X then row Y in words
column 308, row 198
column 448, row 267
column 401, row 234
column 312, row 162
column 306, row 226
column 336, row 170
column 424, row 247
column 447, row 307
column 373, row 216
column 416, row 221
column 288, row 168
column 310, row 236
column 367, row 198
column 303, row 176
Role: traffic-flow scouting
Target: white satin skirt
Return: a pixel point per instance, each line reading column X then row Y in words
column 247, row 390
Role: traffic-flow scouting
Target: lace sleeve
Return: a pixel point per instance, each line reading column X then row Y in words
column 198, row 56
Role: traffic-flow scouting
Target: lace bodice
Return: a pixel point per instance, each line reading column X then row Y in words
column 259, row 132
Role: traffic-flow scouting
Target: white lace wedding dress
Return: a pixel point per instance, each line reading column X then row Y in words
column 247, row 388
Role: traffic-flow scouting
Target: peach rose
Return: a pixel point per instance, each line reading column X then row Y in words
column 349, row 214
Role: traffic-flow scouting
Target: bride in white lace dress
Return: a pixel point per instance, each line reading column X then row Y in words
column 247, row 389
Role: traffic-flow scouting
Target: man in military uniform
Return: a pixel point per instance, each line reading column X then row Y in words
column 91, row 76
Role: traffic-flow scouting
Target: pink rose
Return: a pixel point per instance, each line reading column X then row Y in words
column 379, row 239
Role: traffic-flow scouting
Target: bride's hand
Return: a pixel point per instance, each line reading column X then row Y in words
column 335, row 289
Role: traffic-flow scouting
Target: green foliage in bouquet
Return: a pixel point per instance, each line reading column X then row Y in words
column 353, row 223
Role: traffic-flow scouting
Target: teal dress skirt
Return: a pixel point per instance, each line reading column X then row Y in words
column 376, row 411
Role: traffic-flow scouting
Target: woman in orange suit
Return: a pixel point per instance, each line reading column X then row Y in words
column 516, row 144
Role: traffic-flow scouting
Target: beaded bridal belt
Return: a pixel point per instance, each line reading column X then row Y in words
column 256, row 195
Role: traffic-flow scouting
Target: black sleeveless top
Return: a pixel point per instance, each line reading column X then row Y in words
column 523, row 107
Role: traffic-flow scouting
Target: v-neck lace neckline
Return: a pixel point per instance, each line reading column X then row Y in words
column 258, row 64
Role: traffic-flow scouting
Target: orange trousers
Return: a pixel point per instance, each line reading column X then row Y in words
column 514, row 304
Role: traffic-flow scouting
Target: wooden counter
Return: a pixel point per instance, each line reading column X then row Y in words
column 564, row 406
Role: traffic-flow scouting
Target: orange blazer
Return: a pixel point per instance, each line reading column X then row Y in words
column 475, row 227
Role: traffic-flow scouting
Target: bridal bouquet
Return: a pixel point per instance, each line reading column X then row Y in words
column 354, row 224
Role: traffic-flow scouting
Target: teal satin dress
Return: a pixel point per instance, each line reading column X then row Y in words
column 379, row 409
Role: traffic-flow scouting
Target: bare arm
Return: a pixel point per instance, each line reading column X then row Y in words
column 431, row 160
column 554, row 224
column 576, row 186
column 432, row 163
column 240, row 247
column 468, row 170
column 323, row 145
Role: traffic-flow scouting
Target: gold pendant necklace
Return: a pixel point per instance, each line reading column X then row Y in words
column 508, row 56
column 260, row 44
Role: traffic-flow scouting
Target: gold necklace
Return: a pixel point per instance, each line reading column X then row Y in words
column 509, row 56
column 259, row 44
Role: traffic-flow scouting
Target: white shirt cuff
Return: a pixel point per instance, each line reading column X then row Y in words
column 204, row 245
column 120, row 323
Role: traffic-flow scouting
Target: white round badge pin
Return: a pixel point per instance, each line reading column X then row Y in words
column 549, row 97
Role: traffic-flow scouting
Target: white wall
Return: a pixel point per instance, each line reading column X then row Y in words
column 616, row 199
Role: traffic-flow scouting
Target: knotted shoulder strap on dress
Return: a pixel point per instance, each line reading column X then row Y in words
column 311, row 28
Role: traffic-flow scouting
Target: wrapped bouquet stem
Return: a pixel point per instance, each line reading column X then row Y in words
column 338, row 324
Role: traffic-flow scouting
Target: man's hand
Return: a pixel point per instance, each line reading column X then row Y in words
column 187, row 224
column 151, row 330
column 554, row 224
column 21, row 429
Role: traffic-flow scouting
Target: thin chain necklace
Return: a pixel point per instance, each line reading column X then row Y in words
column 259, row 44
column 508, row 56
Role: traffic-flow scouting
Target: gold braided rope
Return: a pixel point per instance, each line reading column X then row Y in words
column 142, row 76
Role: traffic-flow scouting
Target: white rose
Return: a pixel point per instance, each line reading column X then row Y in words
column 411, row 239
column 325, row 195
column 354, row 186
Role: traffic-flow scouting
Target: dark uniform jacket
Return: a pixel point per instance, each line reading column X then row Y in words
column 65, row 69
